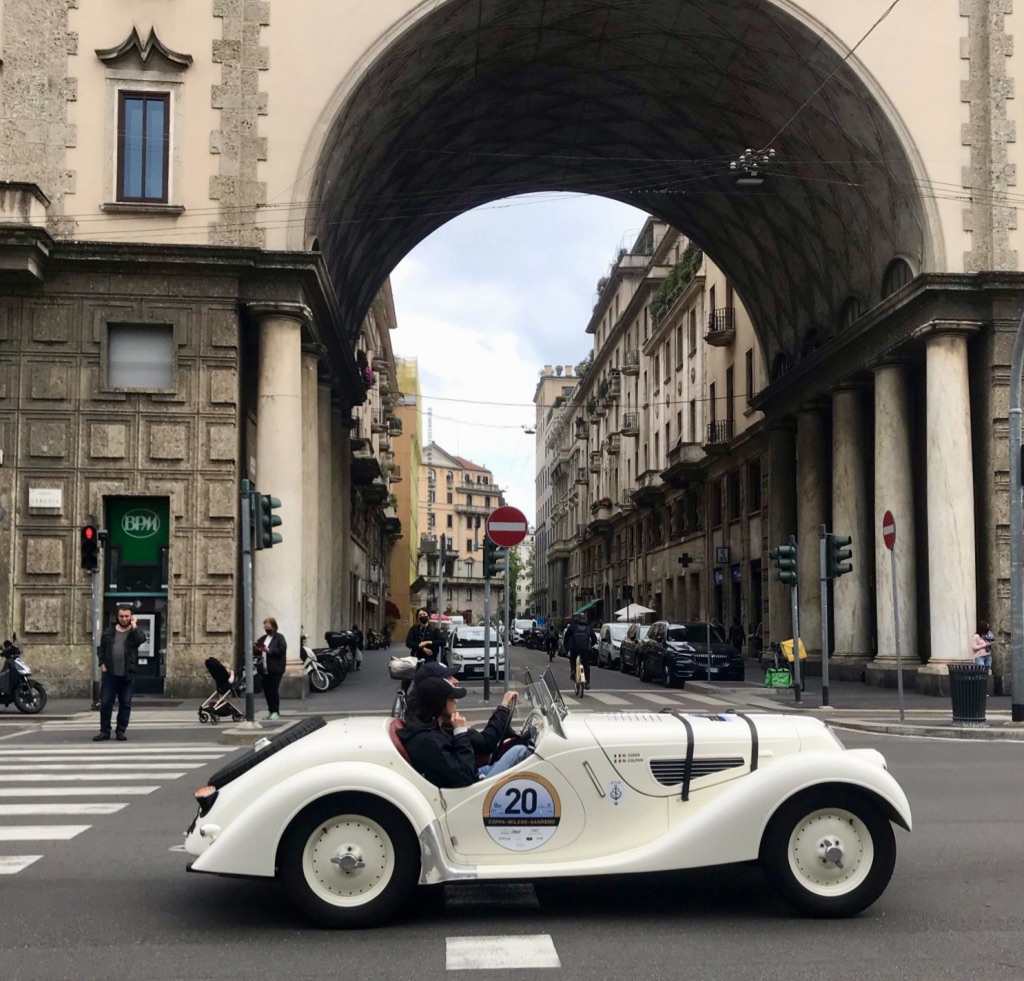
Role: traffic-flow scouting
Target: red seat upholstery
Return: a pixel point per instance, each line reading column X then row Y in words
column 393, row 729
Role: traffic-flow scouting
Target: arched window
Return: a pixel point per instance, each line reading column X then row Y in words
column 780, row 365
column 811, row 342
column 431, row 475
column 897, row 274
column 851, row 312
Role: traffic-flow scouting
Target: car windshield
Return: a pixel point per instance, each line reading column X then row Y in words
column 617, row 631
column 678, row 634
column 697, row 633
column 545, row 698
column 641, row 631
column 471, row 637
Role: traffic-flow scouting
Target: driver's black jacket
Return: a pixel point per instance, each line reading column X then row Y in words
column 447, row 760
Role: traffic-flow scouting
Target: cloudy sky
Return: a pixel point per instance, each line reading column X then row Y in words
column 486, row 302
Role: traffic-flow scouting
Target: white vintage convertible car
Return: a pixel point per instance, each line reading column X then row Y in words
column 337, row 813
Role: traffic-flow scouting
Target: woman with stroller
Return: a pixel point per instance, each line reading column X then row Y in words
column 274, row 649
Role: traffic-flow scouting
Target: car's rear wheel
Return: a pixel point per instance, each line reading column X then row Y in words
column 641, row 668
column 349, row 861
column 666, row 675
column 623, row 667
column 829, row 851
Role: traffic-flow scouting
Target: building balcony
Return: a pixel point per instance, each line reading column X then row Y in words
column 396, row 474
column 626, row 498
column 649, row 487
column 721, row 327
column 614, row 384
column 631, row 364
column 581, row 476
column 559, row 549
column 582, row 430
column 374, row 494
column 428, row 544
column 630, row 424
column 719, row 434
column 595, row 461
column 685, row 462
column 563, row 454
column 465, row 508
column 613, row 444
column 365, row 465
column 602, row 408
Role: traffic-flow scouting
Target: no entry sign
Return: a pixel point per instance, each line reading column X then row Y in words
column 888, row 530
column 507, row 526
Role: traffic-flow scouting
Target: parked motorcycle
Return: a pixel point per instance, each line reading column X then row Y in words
column 16, row 684
column 319, row 676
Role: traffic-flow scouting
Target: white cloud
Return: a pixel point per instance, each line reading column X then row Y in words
column 489, row 299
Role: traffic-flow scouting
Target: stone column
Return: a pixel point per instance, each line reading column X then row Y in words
column 851, row 515
column 812, row 486
column 325, row 539
column 893, row 492
column 781, row 521
column 310, row 449
column 952, row 572
column 340, row 472
column 278, row 579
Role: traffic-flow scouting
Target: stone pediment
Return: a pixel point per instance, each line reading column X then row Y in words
column 134, row 49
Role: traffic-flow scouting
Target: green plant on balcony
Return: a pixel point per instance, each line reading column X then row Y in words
column 602, row 389
column 584, row 366
column 393, row 501
column 601, row 504
column 395, row 425
column 559, row 401
column 591, row 406
column 677, row 280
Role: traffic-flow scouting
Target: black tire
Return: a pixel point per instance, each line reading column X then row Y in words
column 641, row 668
column 371, row 829
column 252, row 757
column 792, row 855
column 623, row 669
column 204, row 716
column 334, row 678
column 666, row 675
column 30, row 698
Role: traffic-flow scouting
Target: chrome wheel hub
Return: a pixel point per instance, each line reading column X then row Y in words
column 831, row 852
column 348, row 860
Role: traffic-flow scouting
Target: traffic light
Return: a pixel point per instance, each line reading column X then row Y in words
column 267, row 521
column 784, row 559
column 494, row 559
column 90, row 544
column 839, row 555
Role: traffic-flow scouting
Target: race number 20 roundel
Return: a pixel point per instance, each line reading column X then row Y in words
column 522, row 812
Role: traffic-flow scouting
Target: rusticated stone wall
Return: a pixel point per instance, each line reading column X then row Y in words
column 61, row 428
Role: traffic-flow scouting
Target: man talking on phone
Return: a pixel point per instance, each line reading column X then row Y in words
column 118, row 656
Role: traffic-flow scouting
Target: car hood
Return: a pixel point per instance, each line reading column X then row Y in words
column 648, row 749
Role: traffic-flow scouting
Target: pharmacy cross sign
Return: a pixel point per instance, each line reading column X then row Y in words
column 506, row 526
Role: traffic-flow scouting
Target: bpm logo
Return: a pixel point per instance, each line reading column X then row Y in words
column 140, row 523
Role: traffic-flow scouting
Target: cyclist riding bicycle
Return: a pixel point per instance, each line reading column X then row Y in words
column 579, row 640
column 551, row 641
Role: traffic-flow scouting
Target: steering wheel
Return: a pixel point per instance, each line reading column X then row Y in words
column 506, row 731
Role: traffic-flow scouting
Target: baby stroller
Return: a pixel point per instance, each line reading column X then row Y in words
column 219, row 704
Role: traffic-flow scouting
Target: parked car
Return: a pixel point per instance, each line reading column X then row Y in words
column 609, row 641
column 336, row 813
column 726, row 661
column 664, row 654
column 466, row 653
column 630, row 646
column 521, row 629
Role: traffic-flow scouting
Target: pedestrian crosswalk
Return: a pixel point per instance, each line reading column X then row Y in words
column 631, row 699
column 47, row 791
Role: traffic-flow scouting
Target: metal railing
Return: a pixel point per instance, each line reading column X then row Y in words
column 723, row 318
column 719, row 432
column 631, row 424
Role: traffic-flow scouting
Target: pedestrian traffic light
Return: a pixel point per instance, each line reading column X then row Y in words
column 267, row 521
column 494, row 559
column 90, row 544
column 784, row 560
column 839, row 555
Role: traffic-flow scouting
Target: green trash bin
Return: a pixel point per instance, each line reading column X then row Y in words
column 968, row 689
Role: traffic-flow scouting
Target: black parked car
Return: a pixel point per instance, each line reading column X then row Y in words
column 665, row 654
column 629, row 647
column 726, row 660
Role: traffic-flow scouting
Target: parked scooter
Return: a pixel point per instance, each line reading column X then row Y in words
column 16, row 684
column 319, row 677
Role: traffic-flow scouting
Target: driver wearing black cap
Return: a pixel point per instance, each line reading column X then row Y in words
column 439, row 741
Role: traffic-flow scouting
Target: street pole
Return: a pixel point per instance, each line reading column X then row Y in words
column 896, row 632
column 823, row 588
column 442, row 556
column 247, row 612
column 1016, row 532
column 794, row 603
column 505, row 639
column 487, row 639
column 94, row 578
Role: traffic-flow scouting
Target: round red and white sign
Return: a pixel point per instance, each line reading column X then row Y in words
column 507, row 526
column 888, row 530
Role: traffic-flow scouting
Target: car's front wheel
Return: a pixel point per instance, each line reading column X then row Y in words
column 641, row 668
column 829, row 851
column 349, row 861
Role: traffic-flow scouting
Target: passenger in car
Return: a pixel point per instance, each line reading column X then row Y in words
column 443, row 748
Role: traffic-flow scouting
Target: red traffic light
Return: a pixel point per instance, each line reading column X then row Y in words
column 88, row 533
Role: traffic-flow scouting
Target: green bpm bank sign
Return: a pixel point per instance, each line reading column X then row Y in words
column 140, row 527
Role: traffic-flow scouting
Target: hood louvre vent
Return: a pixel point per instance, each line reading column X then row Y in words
column 671, row 772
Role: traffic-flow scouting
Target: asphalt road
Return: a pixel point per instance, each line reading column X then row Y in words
column 115, row 901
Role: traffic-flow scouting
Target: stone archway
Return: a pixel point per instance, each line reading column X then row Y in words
column 646, row 103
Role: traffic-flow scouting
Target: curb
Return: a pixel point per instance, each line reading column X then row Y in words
column 999, row 732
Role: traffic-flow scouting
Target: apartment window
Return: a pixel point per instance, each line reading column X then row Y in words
column 469, row 544
column 679, row 344
column 749, row 368
column 469, row 500
column 431, row 497
column 431, row 520
column 487, row 502
column 730, row 400
column 712, row 407
column 143, row 141
column 449, row 497
column 657, row 370
column 140, row 356
column 679, row 426
column 693, row 421
column 449, row 517
column 693, row 331
column 734, row 495
column 715, row 503
column 754, row 486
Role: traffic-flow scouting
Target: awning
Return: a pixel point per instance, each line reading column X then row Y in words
column 391, row 610
column 587, row 606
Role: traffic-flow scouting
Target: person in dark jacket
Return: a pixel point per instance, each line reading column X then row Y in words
column 580, row 639
column 118, row 657
column 424, row 641
column 443, row 748
column 274, row 649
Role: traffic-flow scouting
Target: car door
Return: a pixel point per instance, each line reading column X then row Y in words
column 649, row 652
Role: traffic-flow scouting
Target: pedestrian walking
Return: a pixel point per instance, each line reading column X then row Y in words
column 118, row 657
column 981, row 644
column 736, row 636
column 274, row 648
column 359, row 647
